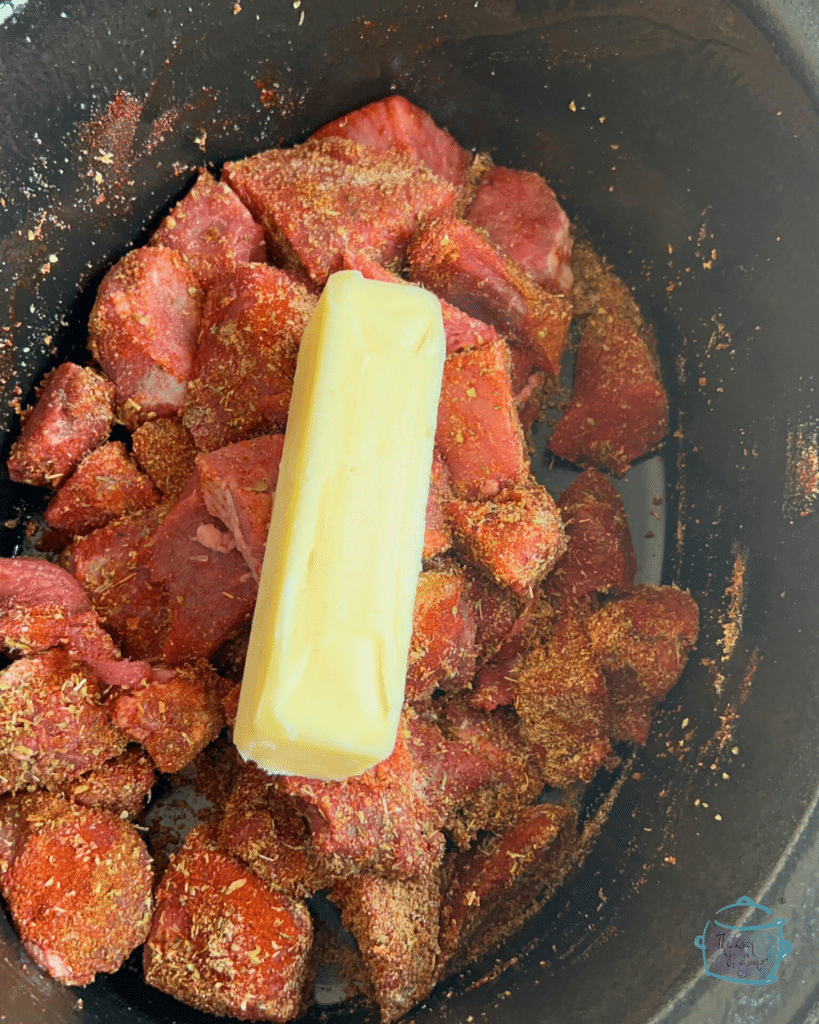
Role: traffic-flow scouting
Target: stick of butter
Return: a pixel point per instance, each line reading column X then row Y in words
column 326, row 665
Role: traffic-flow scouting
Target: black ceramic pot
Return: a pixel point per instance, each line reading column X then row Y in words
column 684, row 136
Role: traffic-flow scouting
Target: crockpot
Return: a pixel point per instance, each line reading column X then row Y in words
column 684, row 139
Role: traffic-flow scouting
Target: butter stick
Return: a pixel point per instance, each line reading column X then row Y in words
column 326, row 665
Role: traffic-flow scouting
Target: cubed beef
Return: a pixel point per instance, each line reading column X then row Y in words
column 210, row 588
column 143, row 330
column 495, row 684
column 242, row 375
column 478, row 431
column 105, row 485
column 212, row 231
column 330, row 195
column 72, row 415
column 497, row 609
column 238, row 483
column 53, row 723
column 522, row 217
column 599, row 555
column 395, row 923
column 458, row 263
column 618, row 408
column 515, row 538
column 174, row 714
column 79, row 888
column 642, row 642
column 442, row 648
column 165, row 450
column 437, row 535
column 121, row 785
column 223, row 942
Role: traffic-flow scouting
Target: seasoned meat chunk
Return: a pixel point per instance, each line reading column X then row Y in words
column 165, row 451
column 442, row 648
column 458, row 263
column 212, row 231
column 121, row 785
column 72, row 415
column 522, row 217
column 243, row 371
column 330, row 195
column 223, row 942
column 143, row 330
column 78, row 889
column 437, row 535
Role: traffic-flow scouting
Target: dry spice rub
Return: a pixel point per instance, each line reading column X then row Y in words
column 532, row 653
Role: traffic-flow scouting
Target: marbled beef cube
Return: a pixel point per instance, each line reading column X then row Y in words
column 165, row 450
column 332, row 195
column 72, row 415
column 212, row 230
column 442, row 647
column 242, row 375
column 457, row 262
column 143, row 331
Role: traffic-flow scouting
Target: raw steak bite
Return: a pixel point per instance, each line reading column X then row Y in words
column 496, row 885
column 515, row 538
column 330, row 195
column 165, row 451
column 121, row 785
column 642, row 642
column 212, row 231
column 437, row 535
column 458, row 263
column 174, row 715
column 105, row 485
column 72, row 415
column 238, row 483
column 395, row 923
column 143, row 330
column 442, row 648
column 223, row 942
column 497, row 610
column 53, row 722
column 522, row 217
column 478, row 431
column 111, row 565
column 243, row 372
column 210, row 587
column 395, row 123
column 618, row 409
column 600, row 555
column 79, row 888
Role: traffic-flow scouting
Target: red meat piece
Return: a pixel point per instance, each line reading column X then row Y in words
column 478, row 431
column 600, row 555
column 497, row 610
column 379, row 820
column 173, row 715
column 105, row 485
column 30, row 584
column 458, row 263
column 528, row 385
column 243, row 372
column 212, row 231
column 522, row 217
column 166, row 452
column 618, row 409
column 396, row 124
column 238, row 483
column 495, row 685
column 53, row 725
column 503, row 881
column 442, row 648
column 437, row 536
column 642, row 642
column 330, row 195
column 210, row 589
column 72, row 415
column 563, row 704
column 111, row 565
column 515, row 538
column 143, row 330
column 121, row 785
column 79, row 888
column 395, row 924
column 223, row 942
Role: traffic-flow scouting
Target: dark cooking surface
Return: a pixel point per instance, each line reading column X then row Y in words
column 686, row 136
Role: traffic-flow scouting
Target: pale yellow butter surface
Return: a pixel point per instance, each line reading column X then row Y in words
column 326, row 666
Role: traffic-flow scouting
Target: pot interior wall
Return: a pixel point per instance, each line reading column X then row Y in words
column 690, row 156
